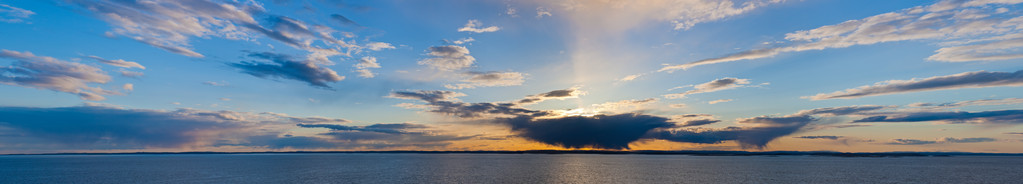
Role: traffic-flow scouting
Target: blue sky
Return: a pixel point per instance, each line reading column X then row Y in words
column 94, row 75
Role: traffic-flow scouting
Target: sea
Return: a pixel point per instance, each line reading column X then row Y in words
column 502, row 168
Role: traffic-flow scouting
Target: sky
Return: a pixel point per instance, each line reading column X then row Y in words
column 332, row 75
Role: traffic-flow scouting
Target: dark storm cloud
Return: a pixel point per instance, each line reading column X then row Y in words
column 91, row 126
column 286, row 67
column 763, row 130
column 831, row 137
column 978, row 79
column 983, row 117
column 600, row 131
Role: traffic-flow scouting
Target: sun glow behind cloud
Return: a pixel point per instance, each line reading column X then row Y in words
column 495, row 75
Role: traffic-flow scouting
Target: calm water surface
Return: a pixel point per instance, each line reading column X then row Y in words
column 503, row 168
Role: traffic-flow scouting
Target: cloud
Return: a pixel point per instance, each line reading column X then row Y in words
column 688, row 120
column 286, row 67
column 42, row 72
column 118, row 63
column 910, row 142
column 342, row 20
column 10, row 14
column 511, row 12
column 488, row 79
column 106, row 128
column 1014, row 133
column 128, row 87
column 630, row 77
column 748, row 137
column 970, row 31
column 542, row 11
column 1006, row 101
column 719, row 101
column 461, row 41
column 170, row 25
column 978, row 79
column 476, row 26
column 955, row 117
column 839, row 111
column 131, row 74
column 623, row 106
column 615, row 131
column 712, row 86
column 448, row 58
column 942, row 141
column 391, row 134
column 560, row 94
column 365, row 64
column 377, row 46
column 211, row 83
column 443, row 102
column 831, row 137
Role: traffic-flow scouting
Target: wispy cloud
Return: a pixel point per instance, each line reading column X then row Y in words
column 719, row 101
column 488, row 79
column 118, row 63
column 978, row 79
column 712, row 86
column 44, row 72
column 10, row 14
column 941, row 141
column 286, row 67
column 971, row 30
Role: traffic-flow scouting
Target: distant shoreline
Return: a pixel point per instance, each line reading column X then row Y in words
column 638, row 152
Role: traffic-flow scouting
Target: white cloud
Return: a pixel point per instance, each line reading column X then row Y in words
column 365, row 64
column 377, row 46
column 128, row 87
column 477, row 27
